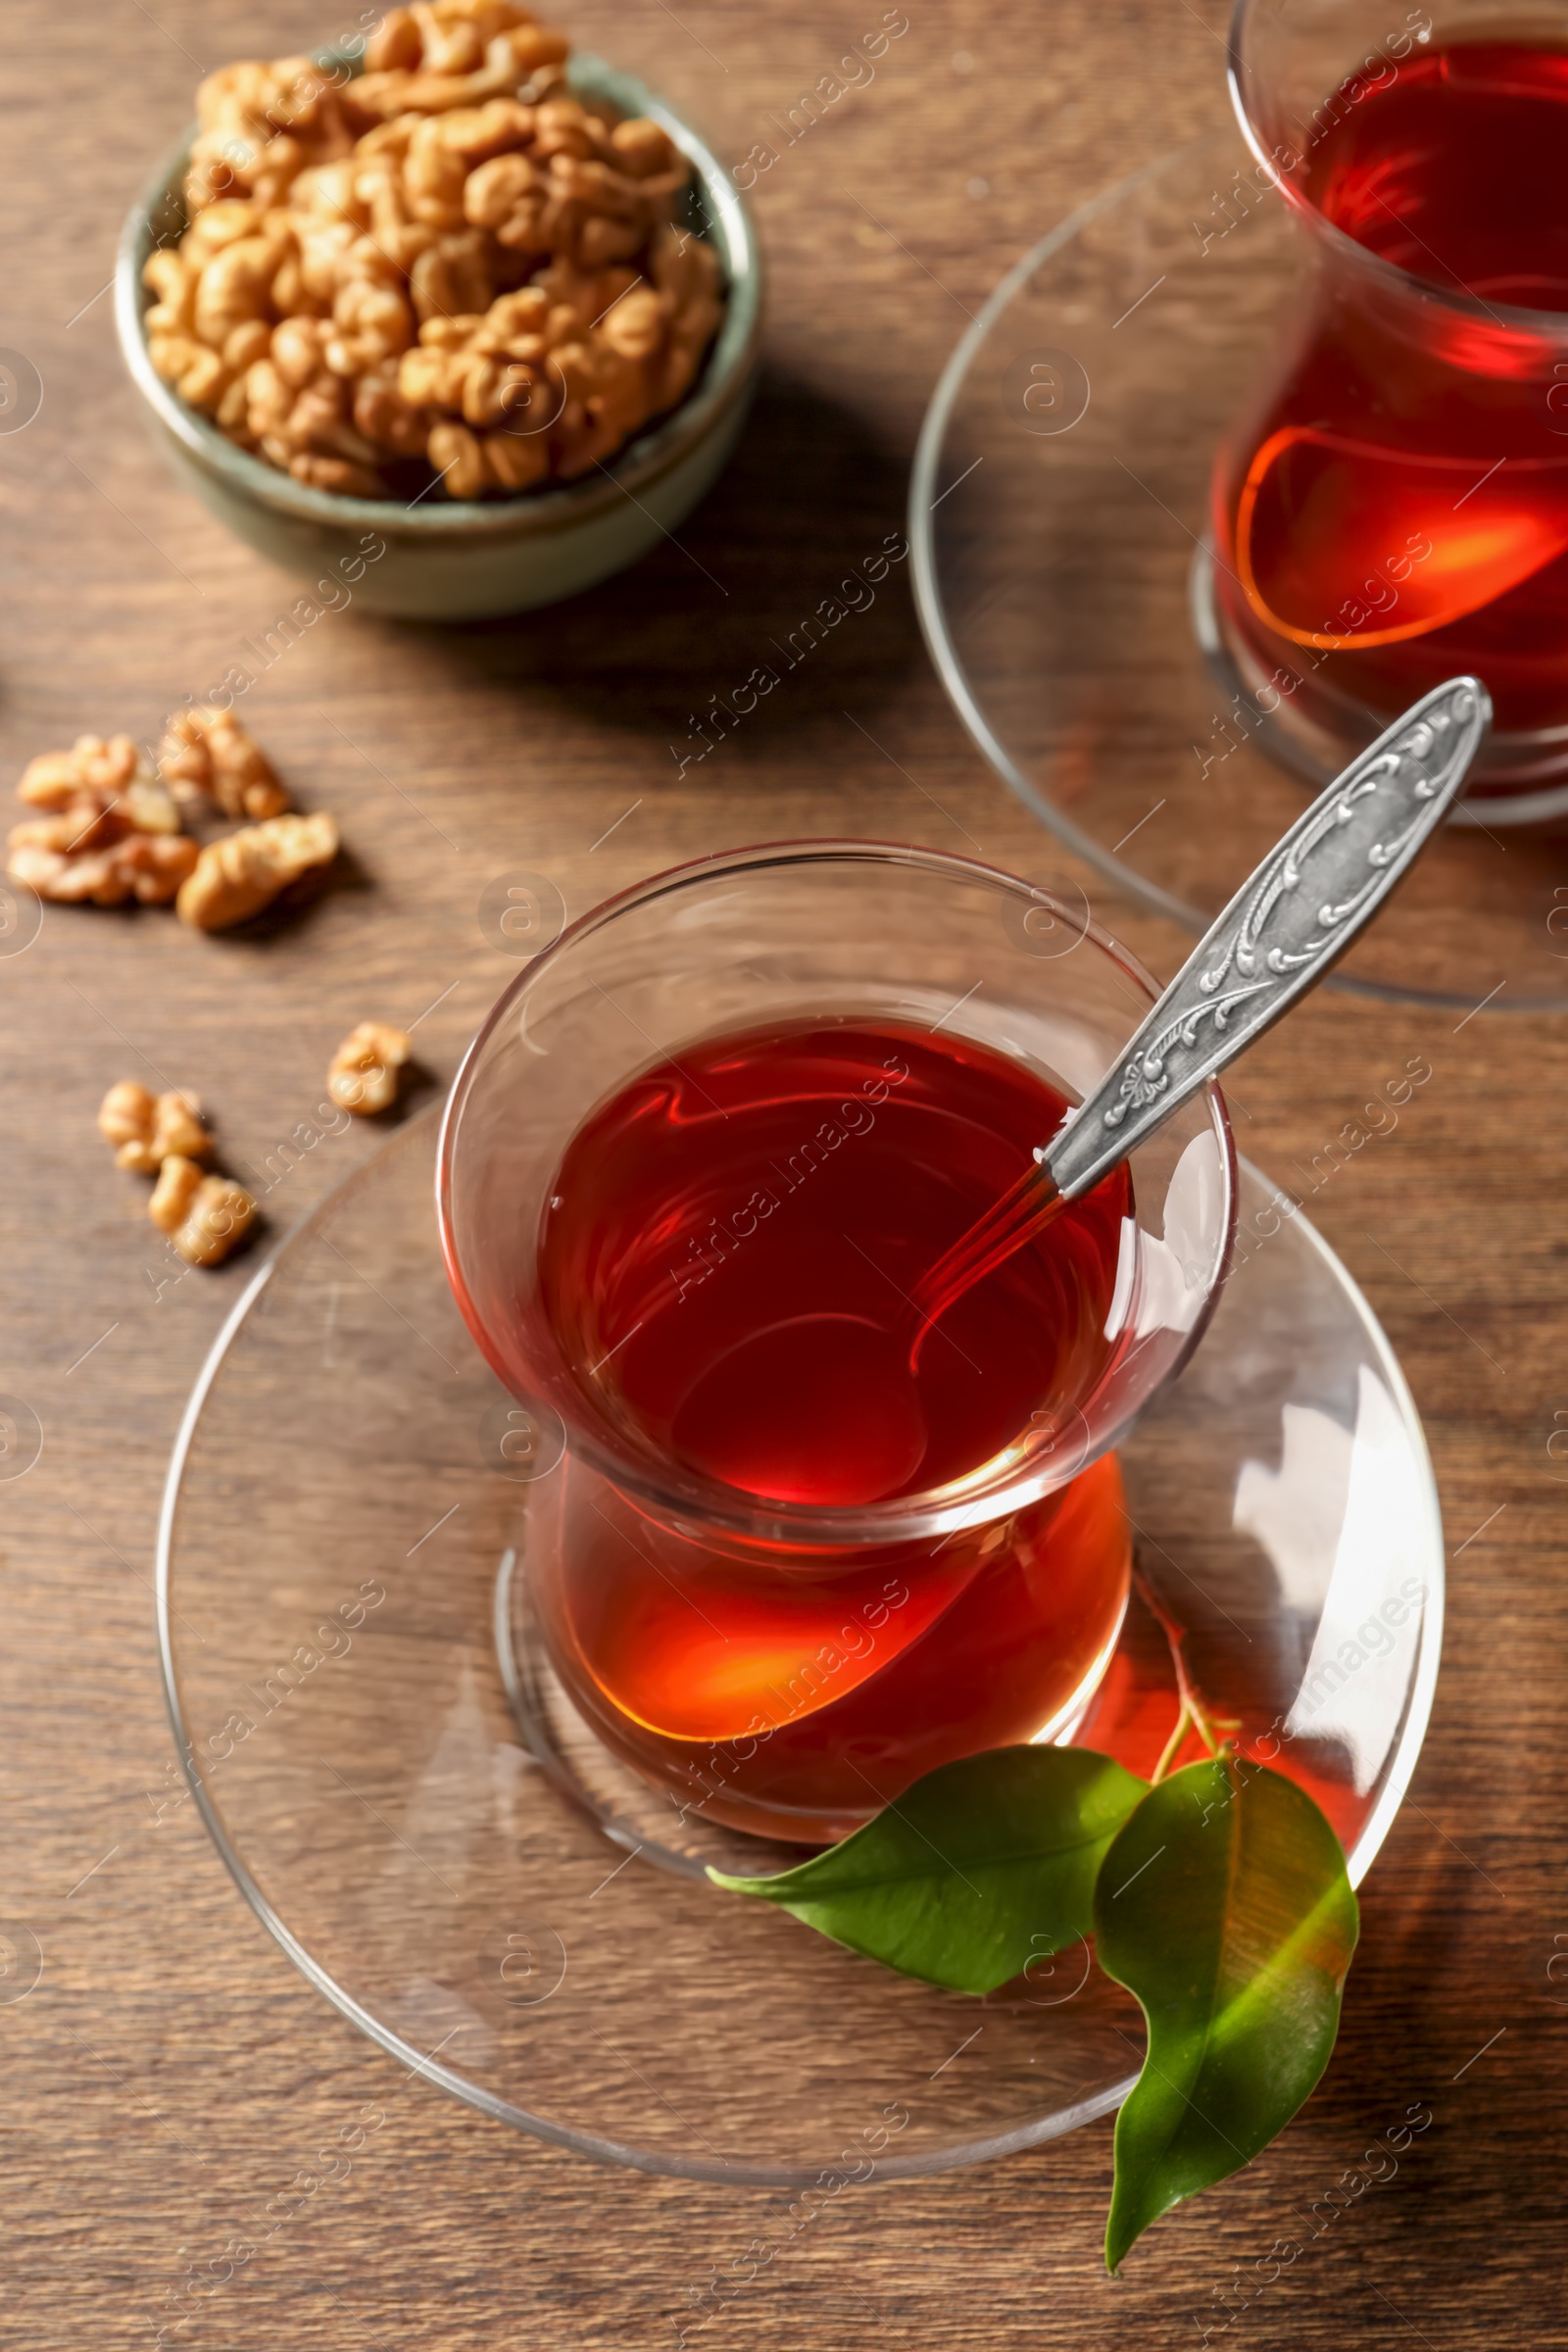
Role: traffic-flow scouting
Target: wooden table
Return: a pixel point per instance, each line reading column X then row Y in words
column 171, row 2069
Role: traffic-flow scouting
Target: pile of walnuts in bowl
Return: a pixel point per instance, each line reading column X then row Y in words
column 445, row 267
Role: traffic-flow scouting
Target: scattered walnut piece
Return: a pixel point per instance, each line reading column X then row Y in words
column 108, row 831
column 178, row 1181
column 363, row 1075
column 146, row 1130
column 96, row 776
column 126, row 1117
column 149, row 867
column 447, row 260
column 236, row 877
column 164, row 1135
column 207, row 753
column 205, row 1220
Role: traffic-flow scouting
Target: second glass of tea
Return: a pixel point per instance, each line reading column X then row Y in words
column 796, row 1552
column 1391, row 508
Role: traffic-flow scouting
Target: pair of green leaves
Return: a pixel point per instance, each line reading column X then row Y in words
column 1219, row 1898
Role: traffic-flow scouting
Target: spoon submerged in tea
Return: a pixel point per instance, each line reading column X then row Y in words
column 1294, row 917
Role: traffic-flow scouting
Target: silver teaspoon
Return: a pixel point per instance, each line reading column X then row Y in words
column 1289, row 923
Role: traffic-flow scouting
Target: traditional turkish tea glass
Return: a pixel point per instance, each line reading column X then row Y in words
column 1393, row 507
column 692, row 1172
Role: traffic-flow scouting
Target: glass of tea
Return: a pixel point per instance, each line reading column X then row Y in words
column 1393, row 507
column 797, row 1551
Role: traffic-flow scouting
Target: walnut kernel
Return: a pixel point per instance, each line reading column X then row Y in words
column 363, row 1075
column 110, row 831
column 236, row 877
column 149, row 867
column 217, row 1213
column 206, row 752
column 355, row 248
column 146, row 1129
column 104, row 774
column 179, row 1182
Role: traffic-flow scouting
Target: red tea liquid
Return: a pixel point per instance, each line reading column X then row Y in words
column 726, row 1259
column 1396, row 512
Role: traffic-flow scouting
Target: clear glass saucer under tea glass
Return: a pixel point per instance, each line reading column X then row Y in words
column 793, row 1555
column 347, row 1488
column 1071, row 583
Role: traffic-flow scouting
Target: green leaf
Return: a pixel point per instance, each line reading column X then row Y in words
column 1224, row 1905
column 980, row 1867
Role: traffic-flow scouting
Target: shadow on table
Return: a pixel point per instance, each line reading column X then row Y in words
column 788, row 566
column 1434, row 1990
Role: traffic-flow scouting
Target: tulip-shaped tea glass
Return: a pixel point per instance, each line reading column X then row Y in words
column 1393, row 507
column 785, row 1552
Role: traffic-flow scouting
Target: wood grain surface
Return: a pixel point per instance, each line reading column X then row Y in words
column 170, row 2072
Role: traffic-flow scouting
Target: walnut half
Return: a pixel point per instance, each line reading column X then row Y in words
column 149, row 867
column 332, row 229
column 363, row 1075
column 236, row 877
column 146, row 1130
column 99, row 776
column 206, row 751
column 206, row 1217
column 108, row 831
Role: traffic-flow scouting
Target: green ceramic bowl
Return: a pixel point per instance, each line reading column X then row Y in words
column 442, row 560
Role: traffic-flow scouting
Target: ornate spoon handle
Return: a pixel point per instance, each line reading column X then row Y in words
column 1284, row 928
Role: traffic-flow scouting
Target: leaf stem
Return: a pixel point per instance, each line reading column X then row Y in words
column 1193, row 1709
column 1172, row 1748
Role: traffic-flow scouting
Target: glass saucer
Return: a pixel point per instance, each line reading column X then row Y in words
column 352, row 1691
column 1058, row 510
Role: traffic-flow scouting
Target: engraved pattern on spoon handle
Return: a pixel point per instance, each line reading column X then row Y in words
column 1288, row 923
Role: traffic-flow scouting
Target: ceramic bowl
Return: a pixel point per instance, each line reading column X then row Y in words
column 448, row 560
